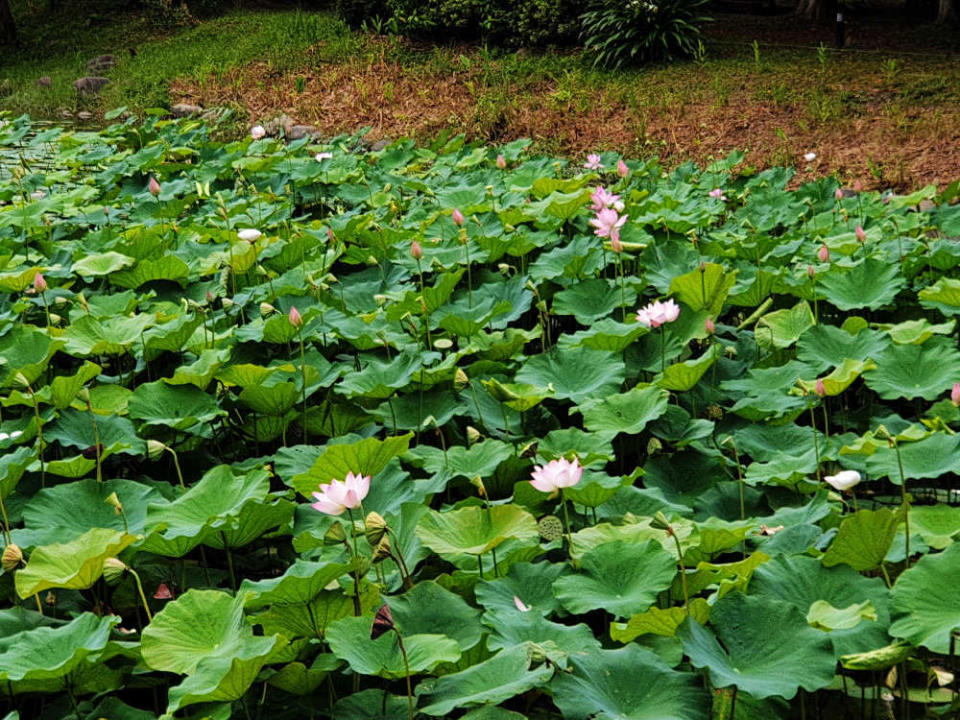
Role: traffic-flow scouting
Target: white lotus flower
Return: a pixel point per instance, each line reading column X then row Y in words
column 249, row 234
column 10, row 436
column 843, row 480
column 320, row 157
column 810, row 156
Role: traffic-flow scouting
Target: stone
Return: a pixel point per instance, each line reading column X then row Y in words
column 84, row 115
column 379, row 145
column 45, row 81
column 90, row 85
column 298, row 132
column 101, row 63
column 66, row 114
column 282, row 122
column 181, row 110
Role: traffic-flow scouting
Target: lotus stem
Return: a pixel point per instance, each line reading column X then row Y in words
column 356, row 565
column 683, row 568
column 406, row 665
column 143, row 598
column 226, row 547
column 905, row 503
column 566, row 519
column 816, row 445
column 303, row 373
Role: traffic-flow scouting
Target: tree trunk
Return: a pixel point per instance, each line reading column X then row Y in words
column 8, row 30
column 947, row 11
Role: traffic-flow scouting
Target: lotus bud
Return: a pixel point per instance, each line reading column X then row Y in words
column 457, row 217
column 709, row 326
column 21, row 380
column 155, row 449
column 12, row 557
column 477, row 482
column 266, row 309
column 504, row 268
column 501, row 162
column 50, row 598
column 811, row 271
column 416, row 252
column 113, row 501
column 550, row 528
column 113, row 570
column 295, row 318
column 382, row 622
column 955, row 395
column 39, row 283
column 460, row 379
column 838, row 194
column 55, row 319
column 163, row 592
column 249, row 234
column 819, row 388
column 654, row 446
column 659, row 521
column 209, row 297
column 861, row 235
column 380, row 300
column 473, row 435
column 330, row 236
column 823, row 254
column 616, row 245
column 857, row 185
column 375, row 527
column 228, row 303
column 622, row 169
column 153, row 186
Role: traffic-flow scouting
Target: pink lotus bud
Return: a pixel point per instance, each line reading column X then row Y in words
column 819, row 388
column 709, row 326
column 622, row 169
column 955, row 394
column 616, row 245
column 838, row 194
column 501, row 162
column 209, row 296
column 858, row 186
column 823, row 254
column 861, row 235
column 416, row 252
column 457, row 217
column 330, row 236
column 153, row 186
column 811, row 271
column 39, row 283
column 163, row 592
column 295, row 318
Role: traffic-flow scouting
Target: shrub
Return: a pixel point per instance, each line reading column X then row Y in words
column 638, row 31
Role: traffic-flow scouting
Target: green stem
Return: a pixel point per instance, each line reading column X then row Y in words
column 663, row 360
column 226, row 548
column 816, row 444
column 303, row 373
column 566, row 518
column 356, row 566
column 143, row 598
column 683, row 570
column 905, row 504
column 406, row 665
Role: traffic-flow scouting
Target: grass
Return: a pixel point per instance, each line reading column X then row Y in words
column 886, row 116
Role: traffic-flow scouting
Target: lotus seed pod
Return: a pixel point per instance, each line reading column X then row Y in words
column 550, row 528
column 113, row 501
column 654, row 446
column 335, row 535
column 227, row 303
column 155, row 449
column 12, row 557
column 113, row 570
column 381, row 551
column 375, row 528
column 460, row 379
column 266, row 309
column 473, row 435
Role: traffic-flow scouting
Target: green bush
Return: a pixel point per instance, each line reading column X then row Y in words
column 638, row 31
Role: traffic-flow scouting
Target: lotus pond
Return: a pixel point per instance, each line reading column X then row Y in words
column 734, row 400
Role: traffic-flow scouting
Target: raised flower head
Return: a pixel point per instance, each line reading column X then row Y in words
column 593, row 162
column 339, row 495
column 556, row 474
column 843, row 480
column 602, row 198
column 658, row 313
column 608, row 223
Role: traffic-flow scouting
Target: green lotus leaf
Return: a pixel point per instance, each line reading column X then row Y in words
column 202, row 634
column 427, row 608
column 26, row 351
column 606, row 334
column 532, row 583
column 931, row 457
column 200, row 372
column 576, row 376
column 659, row 621
column 171, row 336
column 181, row 407
column 44, row 653
column 592, row 299
column 768, row 647
column 301, row 582
column 878, row 659
column 298, row 679
column 683, row 376
column 925, row 601
column 943, row 295
column 88, row 336
column 595, row 489
column 311, row 618
column 870, row 284
column 782, row 328
column 517, row 396
column 371, row 704
column 825, row 346
column 475, row 530
column 480, row 460
column 909, row 371
column 917, row 332
column 416, row 412
column 938, row 525
column 864, row 539
column 167, row 267
column 824, row 616
column 631, row 683
column 841, row 377
column 64, row 388
column 100, row 264
column 349, row 639
column 12, row 466
column 627, row 412
column 76, row 429
column 74, row 565
column 367, row 457
column 275, row 399
column 505, row 675
column 622, row 578
column 73, row 467
column 705, row 288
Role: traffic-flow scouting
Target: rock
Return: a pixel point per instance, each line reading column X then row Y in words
column 90, row 85
column 84, row 116
column 101, row 63
column 379, row 145
column 848, row 192
column 927, row 205
column 282, row 122
column 181, row 110
column 298, row 132
column 66, row 114
column 45, row 81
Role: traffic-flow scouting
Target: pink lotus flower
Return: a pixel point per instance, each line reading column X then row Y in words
column 602, row 198
column 861, row 235
column 257, row 132
column 295, row 318
column 709, row 326
column 39, row 283
column 718, row 194
column 658, row 313
column 823, row 254
column 457, row 217
column 608, row 223
column 622, row 169
column 501, row 162
column 339, row 495
column 153, row 186
column 955, row 394
column 416, row 252
column 819, row 388
column 521, row 606
column 556, row 474
column 838, row 194
column 593, row 162
column 163, row 592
